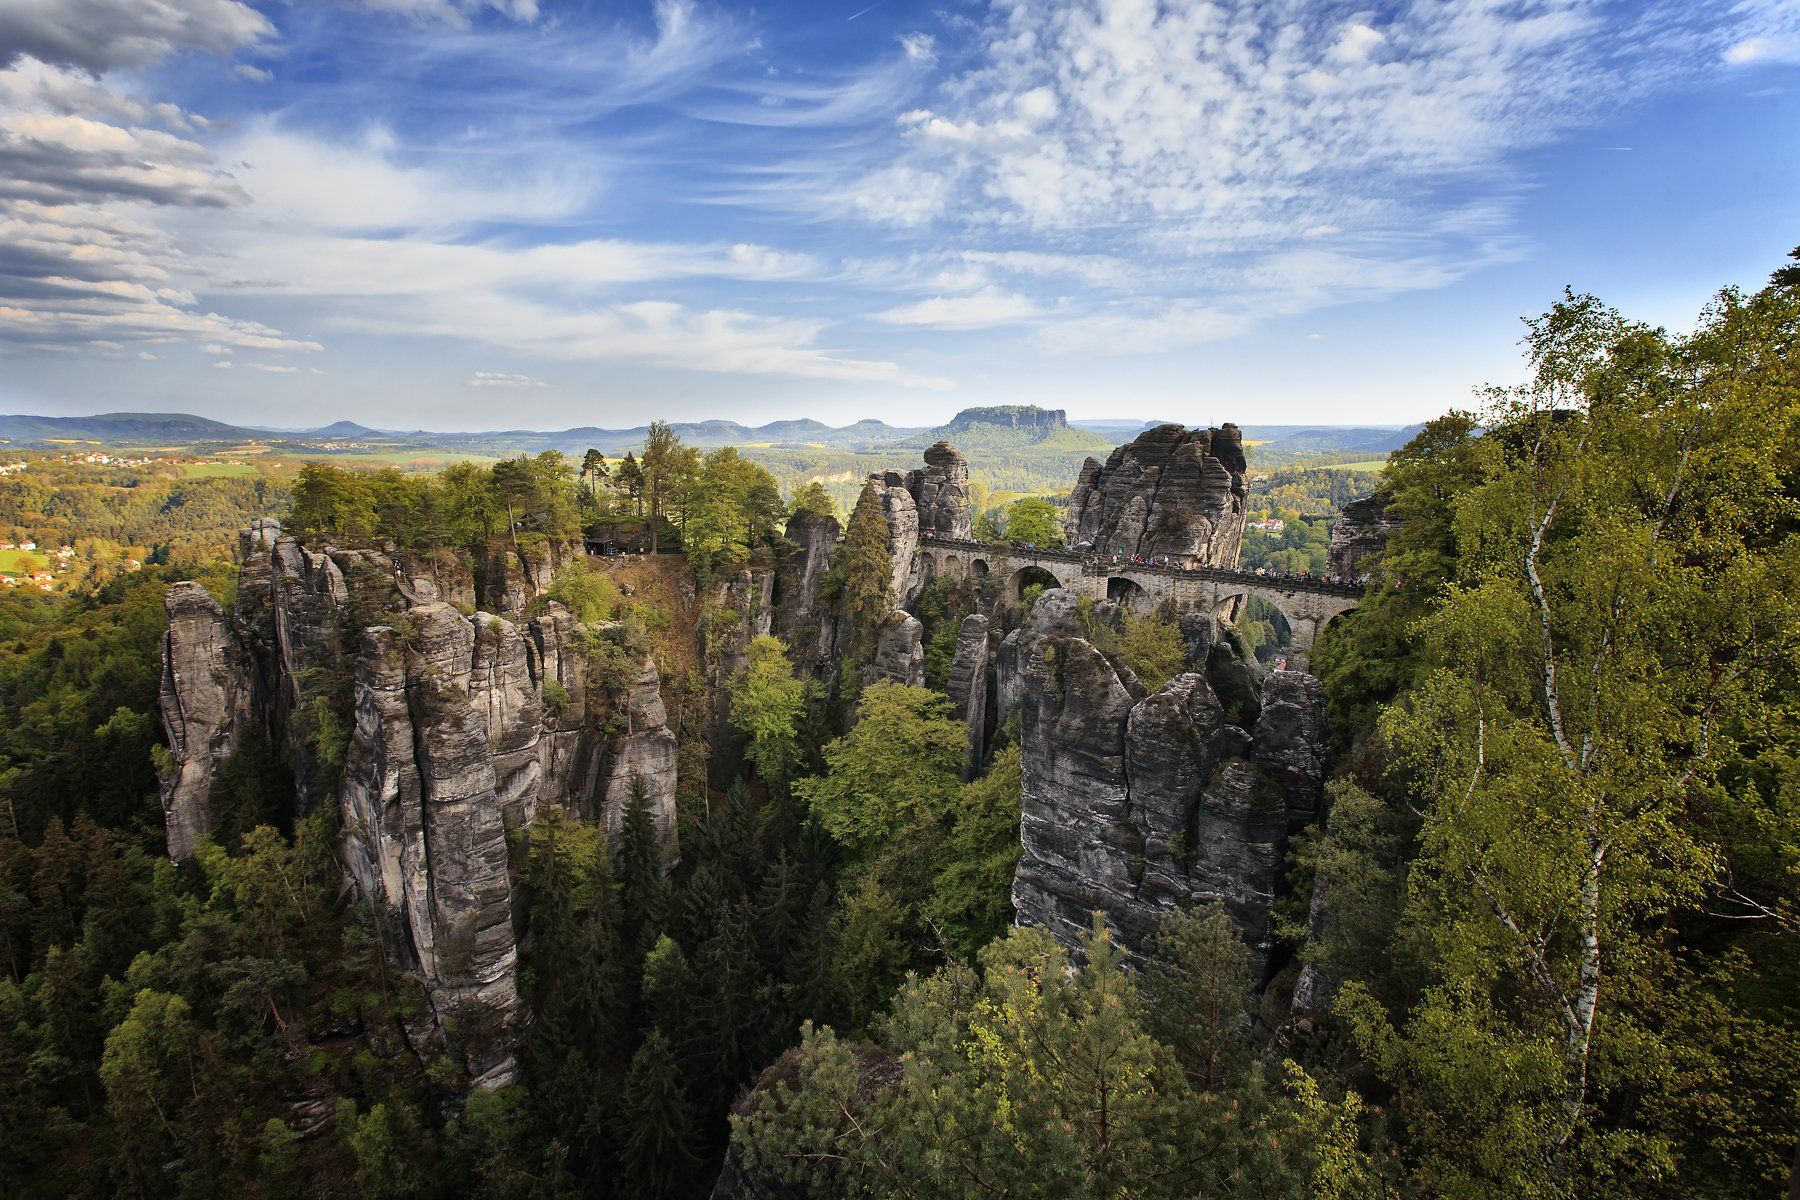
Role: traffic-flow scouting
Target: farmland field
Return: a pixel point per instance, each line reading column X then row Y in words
column 21, row 562
column 216, row 470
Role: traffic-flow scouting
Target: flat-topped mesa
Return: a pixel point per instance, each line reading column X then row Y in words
column 1173, row 491
column 433, row 728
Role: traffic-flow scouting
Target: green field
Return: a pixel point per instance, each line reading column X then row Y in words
column 1367, row 464
column 214, row 470
column 21, row 562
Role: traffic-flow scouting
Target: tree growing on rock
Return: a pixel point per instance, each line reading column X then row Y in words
column 868, row 567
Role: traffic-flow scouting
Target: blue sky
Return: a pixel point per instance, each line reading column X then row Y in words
column 466, row 214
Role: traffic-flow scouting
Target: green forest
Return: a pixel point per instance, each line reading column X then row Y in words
column 1555, row 892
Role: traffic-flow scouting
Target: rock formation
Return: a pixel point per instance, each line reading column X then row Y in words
column 1173, row 491
column 802, row 618
column 968, row 687
column 940, row 490
column 1137, row 804
column 204, row 704
column 433, row 732
column 902, row 513
column 900, row 651
column 1362, row 529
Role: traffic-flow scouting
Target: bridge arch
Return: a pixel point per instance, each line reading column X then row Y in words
column 1126, row 591
column 1026, row 576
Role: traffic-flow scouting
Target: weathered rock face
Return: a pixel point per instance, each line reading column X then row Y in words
column 940, row 490
column 1362, row 529
column 968, row 687
column 452, row 730
column 1173, row 491
column 902, row 514
column 205, row 702
column 900, row 651
column 1135, row 805
column 802, row 619
column 724, row 646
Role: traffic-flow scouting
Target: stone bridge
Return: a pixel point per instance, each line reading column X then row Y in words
column 1005, row 571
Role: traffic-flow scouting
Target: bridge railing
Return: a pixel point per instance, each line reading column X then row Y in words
column 1105, row 564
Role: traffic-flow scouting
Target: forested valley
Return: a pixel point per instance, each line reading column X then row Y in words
column 1541, row 937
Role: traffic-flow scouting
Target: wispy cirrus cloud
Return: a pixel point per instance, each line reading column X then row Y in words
column 1220, row 162
column 502, row 379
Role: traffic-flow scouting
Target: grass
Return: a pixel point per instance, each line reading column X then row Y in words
column 22, row 562
column 216, row 470
column 1366, row 464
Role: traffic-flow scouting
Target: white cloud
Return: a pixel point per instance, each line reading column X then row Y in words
column 224, row 366
column 501, row 379
column 102, row 35
column 982, row 310
column 919, row 47
column 305, row 181
column 252, row 73
column 273, row 368
column 450, row 12
column 1198, row 152
column 1754, row 50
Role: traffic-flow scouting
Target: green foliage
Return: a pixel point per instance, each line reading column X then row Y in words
column 588, row 594
column 465, row 504
column 813, row 498
column 658, row 1151
column 1150, row 645
column 1026, row 1077
column 970, row 902
column 941, row 608
column 1571, row 681
column 900, row 761
column 1034, row 520
column 867, row 597
column 769, row 707
column 1198, row 990
column 729, row 508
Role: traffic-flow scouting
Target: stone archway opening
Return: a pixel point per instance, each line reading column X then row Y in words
column 1127, row 593
column 1266, row 630
column 1028, row 583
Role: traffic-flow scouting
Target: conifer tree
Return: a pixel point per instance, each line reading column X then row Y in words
column 660, row 1127
column 868, row 595
column 643, row 887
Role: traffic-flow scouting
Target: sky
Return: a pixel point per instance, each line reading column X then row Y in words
column 480, row 214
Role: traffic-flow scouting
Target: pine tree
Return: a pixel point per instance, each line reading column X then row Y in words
column 643, row 886
column 660, row 1127
column 868, row 596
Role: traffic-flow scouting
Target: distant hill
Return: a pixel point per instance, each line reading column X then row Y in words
column 1014, row 427
column 347, row 431
column 130, row 429
column 118, row 429
column 1331, row 439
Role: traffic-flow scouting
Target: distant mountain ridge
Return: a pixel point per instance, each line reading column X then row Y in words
column 173, row 427
column 993, row 429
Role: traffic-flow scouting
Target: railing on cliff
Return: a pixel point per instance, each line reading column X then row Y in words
column 1107, row 564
